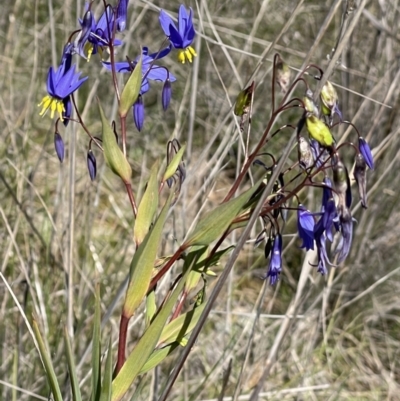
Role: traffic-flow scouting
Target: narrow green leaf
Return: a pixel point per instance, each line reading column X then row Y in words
column 197, row 257
column 147, row 207
column 112, row 153
column 131, row 90
column 107, row 379
column 76, row 393
column 50, row 374
column 96, row 351
column 143, row 263
column 151, row 307
column 145, row 346
column 181, row 326
column 172, row 167
column 215, row 223
column 157, row 357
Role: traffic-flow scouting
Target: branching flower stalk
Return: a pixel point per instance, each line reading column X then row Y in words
column 318, row 163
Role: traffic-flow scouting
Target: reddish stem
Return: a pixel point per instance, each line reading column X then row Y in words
column 123, row 329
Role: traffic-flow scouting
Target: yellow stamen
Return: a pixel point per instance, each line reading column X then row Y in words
column 55, row 106
column 186, row 54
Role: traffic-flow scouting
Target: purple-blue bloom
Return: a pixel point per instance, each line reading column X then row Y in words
column 366, row 152
column 182, row 37
column 61, row 83
column 305, row 226
column 275, row 263
column 99, row 35
column 150, row 71
column 346, row 230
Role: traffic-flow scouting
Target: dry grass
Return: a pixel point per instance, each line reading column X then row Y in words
column 308, row 338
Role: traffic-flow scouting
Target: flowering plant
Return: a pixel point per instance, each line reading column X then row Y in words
column 318, row 163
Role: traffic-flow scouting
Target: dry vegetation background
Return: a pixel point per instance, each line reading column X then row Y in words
column 308, row 338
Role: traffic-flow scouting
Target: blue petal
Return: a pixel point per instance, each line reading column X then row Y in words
column 176, row 38
column 138, row 113
column 182, row 20
column 166, row 22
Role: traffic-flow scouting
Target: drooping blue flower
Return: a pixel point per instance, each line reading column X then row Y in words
column 305, row 226
column 327, row 221
column 61, row 83
column 150, row 71
column 100, row 33
column 182, row 37
column 365, row 150
column 275, row 263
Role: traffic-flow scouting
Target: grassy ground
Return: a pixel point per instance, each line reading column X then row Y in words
column 308, row 338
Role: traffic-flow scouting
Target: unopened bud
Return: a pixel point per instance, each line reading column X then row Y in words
column 59, row 146
column 360, row 175
column 91, row 164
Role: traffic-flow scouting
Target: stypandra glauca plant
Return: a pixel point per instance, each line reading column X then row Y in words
column 319, row 163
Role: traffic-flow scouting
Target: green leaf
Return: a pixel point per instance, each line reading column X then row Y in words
column 76, row 393
column 112, row 153
column 143, row 263
column 107, row 379
column 131, row 90
column 96, row 351
column 173, row 166
column 196, row 257
column 243, row 101
column 147, row 207
column 181, row 326
column 51, row 376
column 157, row 357
column 151, row 307
column 145, row 346
column 216, row 222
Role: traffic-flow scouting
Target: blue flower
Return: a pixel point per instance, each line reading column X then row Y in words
column 182, row 37
column 366, row 152
column 61, row 83
column 150, row 71
column 94, row 37
column 275, row 263
column 305, row 226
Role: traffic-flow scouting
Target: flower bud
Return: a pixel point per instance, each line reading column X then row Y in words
column 91, row 164
column 166, row 94
column 138, row 113
column 360, row 175
column 59, row 146
column 366, row 152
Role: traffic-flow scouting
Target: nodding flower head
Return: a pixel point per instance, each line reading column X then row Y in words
column 305, row 226
column 182, row 37
column 61, row 83
column 150, row 72
column 95, row 37
column 275, row 263
column 365, row 150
